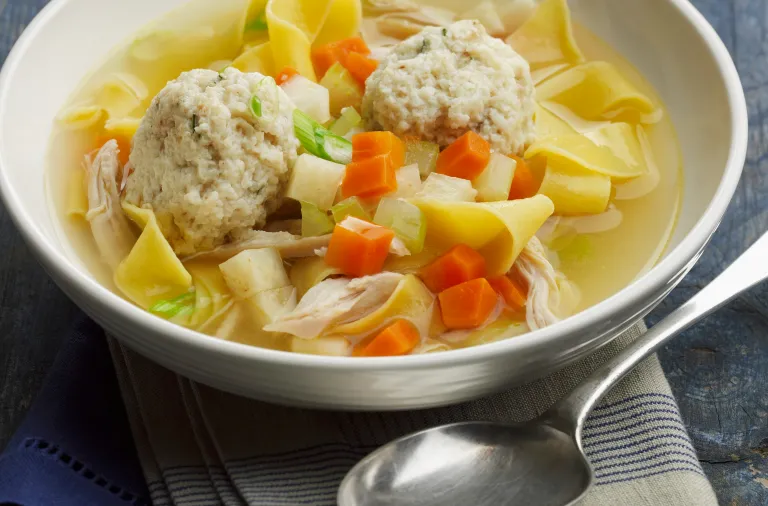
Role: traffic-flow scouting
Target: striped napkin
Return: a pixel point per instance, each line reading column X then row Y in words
column 200, row 446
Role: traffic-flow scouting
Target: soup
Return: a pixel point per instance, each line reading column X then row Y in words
column 366, row 178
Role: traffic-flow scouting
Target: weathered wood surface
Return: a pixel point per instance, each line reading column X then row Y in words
column 718, row 370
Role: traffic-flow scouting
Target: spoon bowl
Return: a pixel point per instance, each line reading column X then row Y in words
column 472, row 463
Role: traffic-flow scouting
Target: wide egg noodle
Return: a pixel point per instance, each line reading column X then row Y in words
column 574, row 191
column 211, row 291
column 498, row 230
column 550, row 125
column 612, row 150
column 546, row 38
column 308, row 272
column 151, row 272
column 257, row 58
column 597, row 91
column 77, row 194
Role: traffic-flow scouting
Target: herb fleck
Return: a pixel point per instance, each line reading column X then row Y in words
column 425, row 45
column 194, row 122
column 445, row 32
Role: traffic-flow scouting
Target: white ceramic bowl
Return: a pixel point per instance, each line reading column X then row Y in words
column 667, row 40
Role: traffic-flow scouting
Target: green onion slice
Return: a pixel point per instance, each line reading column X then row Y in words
column 184, row 304
column 318, row 141
column 256, row 106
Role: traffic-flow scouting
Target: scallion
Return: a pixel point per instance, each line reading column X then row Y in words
column 259, row 23
column 182, row 305
column 318, row 141
column 256, row 106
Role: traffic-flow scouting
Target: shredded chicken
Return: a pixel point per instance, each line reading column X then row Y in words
column 336, row 301
column 289, row 246
column 545, row 286
column 112, row 230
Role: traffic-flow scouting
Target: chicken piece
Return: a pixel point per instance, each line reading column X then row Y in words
column 289, row 246
column 111, row 228
column 336, row 301
column 546, row 287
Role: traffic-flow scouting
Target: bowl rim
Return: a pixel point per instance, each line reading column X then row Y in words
column 64, row 271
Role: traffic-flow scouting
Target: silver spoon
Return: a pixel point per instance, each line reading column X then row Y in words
column 541, row 462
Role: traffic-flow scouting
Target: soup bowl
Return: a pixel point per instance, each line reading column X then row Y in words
column 668, row 41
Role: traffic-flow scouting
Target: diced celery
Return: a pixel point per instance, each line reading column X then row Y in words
column 309, row 97
column 447, row 188
column 314, row 221
column 350, row 207
column 405, row 219
column 270, row 305
column 422, row 153
column 331, row 346
column 408, row 181
column 494, row 182
column 344, row 90
column 254, row 271
column 348, row 120
column 315, row 180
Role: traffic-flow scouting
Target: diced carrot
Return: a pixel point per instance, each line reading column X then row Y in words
column 123, row 145
column 458, row 265
column 323, row 57
column 368, row 144
column 467, row 305
column 513, row 295
column 371, row 177
column 285, row 75
column 358, row 248
column 360, row 66
column 466, row 157
column 524, row 184
column 399, row 338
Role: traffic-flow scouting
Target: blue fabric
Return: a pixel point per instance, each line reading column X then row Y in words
column 75, row 446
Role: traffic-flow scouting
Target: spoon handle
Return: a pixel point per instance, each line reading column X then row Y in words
column 748, row 270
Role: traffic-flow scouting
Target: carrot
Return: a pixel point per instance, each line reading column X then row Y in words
column 524, row 184
column 369, row 144
column 458, row 265
column 399, row 338
column 285, row 75
column 513, row 294
column 323, row 57
column 371, row 177
column 358, row 248
column 360, row 66
column 466, row 157
column 467, row 305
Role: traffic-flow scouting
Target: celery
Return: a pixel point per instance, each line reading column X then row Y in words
column 320, row 142
column 348, row 120
column 314, row 221
column 179, row 306
column 422, row 153
column 405, row 219
column 349, row 207
column 343, row 89
column 308, row 97
column 408, row 181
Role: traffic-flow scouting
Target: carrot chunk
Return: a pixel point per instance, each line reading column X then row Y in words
column 360, row 66
column 323, row 57
column 371, row 177
column 369, row 144
column 285, row 75
column 524, row 184
column 467, row 305
column 458, row 265
column 399, row 338
column 358, row 248
column 466, row 158
column 512, row 294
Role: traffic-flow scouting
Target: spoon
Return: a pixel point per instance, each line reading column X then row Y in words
column 541, row 462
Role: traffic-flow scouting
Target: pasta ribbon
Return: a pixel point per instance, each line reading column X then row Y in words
column 550, row 125
column 546, row 38
column 211, row 291
column 77, row 194
column 151, row 272
column 81, row 117
column 121, row 95
column 498, row 230
column 308, row 272
column 596, row 91
column 257, row 59
column 612, row 150
column 575, row 191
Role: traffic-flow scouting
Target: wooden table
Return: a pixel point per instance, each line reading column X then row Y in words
column 718, row 370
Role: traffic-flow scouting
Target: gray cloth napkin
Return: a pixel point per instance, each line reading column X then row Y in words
column 200, row 446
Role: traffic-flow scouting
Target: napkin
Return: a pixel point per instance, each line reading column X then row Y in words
column 200, row 446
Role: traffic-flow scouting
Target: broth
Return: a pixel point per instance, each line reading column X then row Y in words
column 600, row 264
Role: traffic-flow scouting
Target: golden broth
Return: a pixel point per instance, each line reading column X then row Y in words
column 600, row 264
